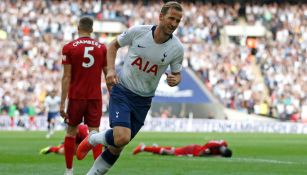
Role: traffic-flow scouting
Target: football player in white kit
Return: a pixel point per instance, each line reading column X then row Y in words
column 151, row 50
column 52, row 104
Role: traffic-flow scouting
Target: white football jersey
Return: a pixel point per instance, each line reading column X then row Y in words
column 146, row 60
column 53, row 103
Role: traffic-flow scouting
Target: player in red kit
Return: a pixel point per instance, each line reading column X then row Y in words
column 82, row 132
column 84, row 59
column 212, row 148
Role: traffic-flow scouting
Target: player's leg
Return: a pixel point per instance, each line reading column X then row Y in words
column 75, row 112
column 53, row 149
column 96, row 149
column 143, row 148
column 138, row 118
column 51, row 121
column 110, row 155
column 118, row 136
column 52, row 124
column 92, row 119
column 120, row 133
column 45, row 150
column 115, row 138
column 140, row 110
column 119, row 116
column 104, row 162
column 139, row 148
column 48, row 126
column 167, row 150
column 69, row 145
column 58, row 149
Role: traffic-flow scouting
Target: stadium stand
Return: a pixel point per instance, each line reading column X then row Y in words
column 261, row 72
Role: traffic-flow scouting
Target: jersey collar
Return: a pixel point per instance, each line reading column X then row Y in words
column 84, row 37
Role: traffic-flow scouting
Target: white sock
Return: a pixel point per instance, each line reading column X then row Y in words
column 100, row 167
column 98, row 138
column 68, row 171
column 143, row 147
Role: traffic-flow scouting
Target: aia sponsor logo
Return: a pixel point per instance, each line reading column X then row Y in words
column 145, row 66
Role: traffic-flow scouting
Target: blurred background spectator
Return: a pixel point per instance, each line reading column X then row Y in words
column 264, row 75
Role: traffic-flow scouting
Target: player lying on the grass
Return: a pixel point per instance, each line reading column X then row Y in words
column 211, row 148
column 82, row 132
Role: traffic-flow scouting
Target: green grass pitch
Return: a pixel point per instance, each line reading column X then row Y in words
column 254, row 154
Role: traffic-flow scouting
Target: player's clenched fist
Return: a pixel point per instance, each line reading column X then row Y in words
column 63, row 114
column 111, row 78
column 173, row 79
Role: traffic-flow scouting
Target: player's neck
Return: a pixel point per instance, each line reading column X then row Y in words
column 159, row 36
column 83, row 34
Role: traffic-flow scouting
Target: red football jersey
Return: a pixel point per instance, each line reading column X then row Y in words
column 214, row 146
column 196, row 150
column 190, row 150
column 87, row 57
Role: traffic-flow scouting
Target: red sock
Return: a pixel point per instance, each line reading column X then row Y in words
column 69, row 147
column 54, row 149
column 97, row 150
column 153, row 149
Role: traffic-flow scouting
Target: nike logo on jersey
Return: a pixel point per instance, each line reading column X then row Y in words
column 139, row 46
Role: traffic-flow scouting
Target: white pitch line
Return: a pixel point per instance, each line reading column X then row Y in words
column 257, row 160
column 242, row 159
column 266, row 161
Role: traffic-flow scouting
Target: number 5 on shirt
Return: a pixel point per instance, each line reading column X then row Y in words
column 89, row 56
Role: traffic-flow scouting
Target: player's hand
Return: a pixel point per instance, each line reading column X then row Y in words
column 109, row 87
column 63, row 114
column 173, row 80
column 111, row 78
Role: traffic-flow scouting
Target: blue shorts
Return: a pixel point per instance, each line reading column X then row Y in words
column 127, row 109
column 51, row 115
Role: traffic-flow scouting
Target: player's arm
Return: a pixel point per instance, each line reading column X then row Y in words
column 65, row 85
column 173, row 79
column 205, row 151
column 104, row 69
column 111, row 77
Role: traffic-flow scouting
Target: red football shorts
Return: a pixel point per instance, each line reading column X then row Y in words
column 88, row 111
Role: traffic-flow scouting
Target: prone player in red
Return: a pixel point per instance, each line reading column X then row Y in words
column 59, row 149
column 84, row 59
column 211, row 148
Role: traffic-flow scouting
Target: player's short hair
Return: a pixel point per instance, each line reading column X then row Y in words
column 86, row 24
column 227, row 153
column 170, row 5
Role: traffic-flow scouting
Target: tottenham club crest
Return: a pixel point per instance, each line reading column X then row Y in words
column 164, row 56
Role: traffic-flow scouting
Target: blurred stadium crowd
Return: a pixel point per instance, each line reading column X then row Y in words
column 32, row 34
